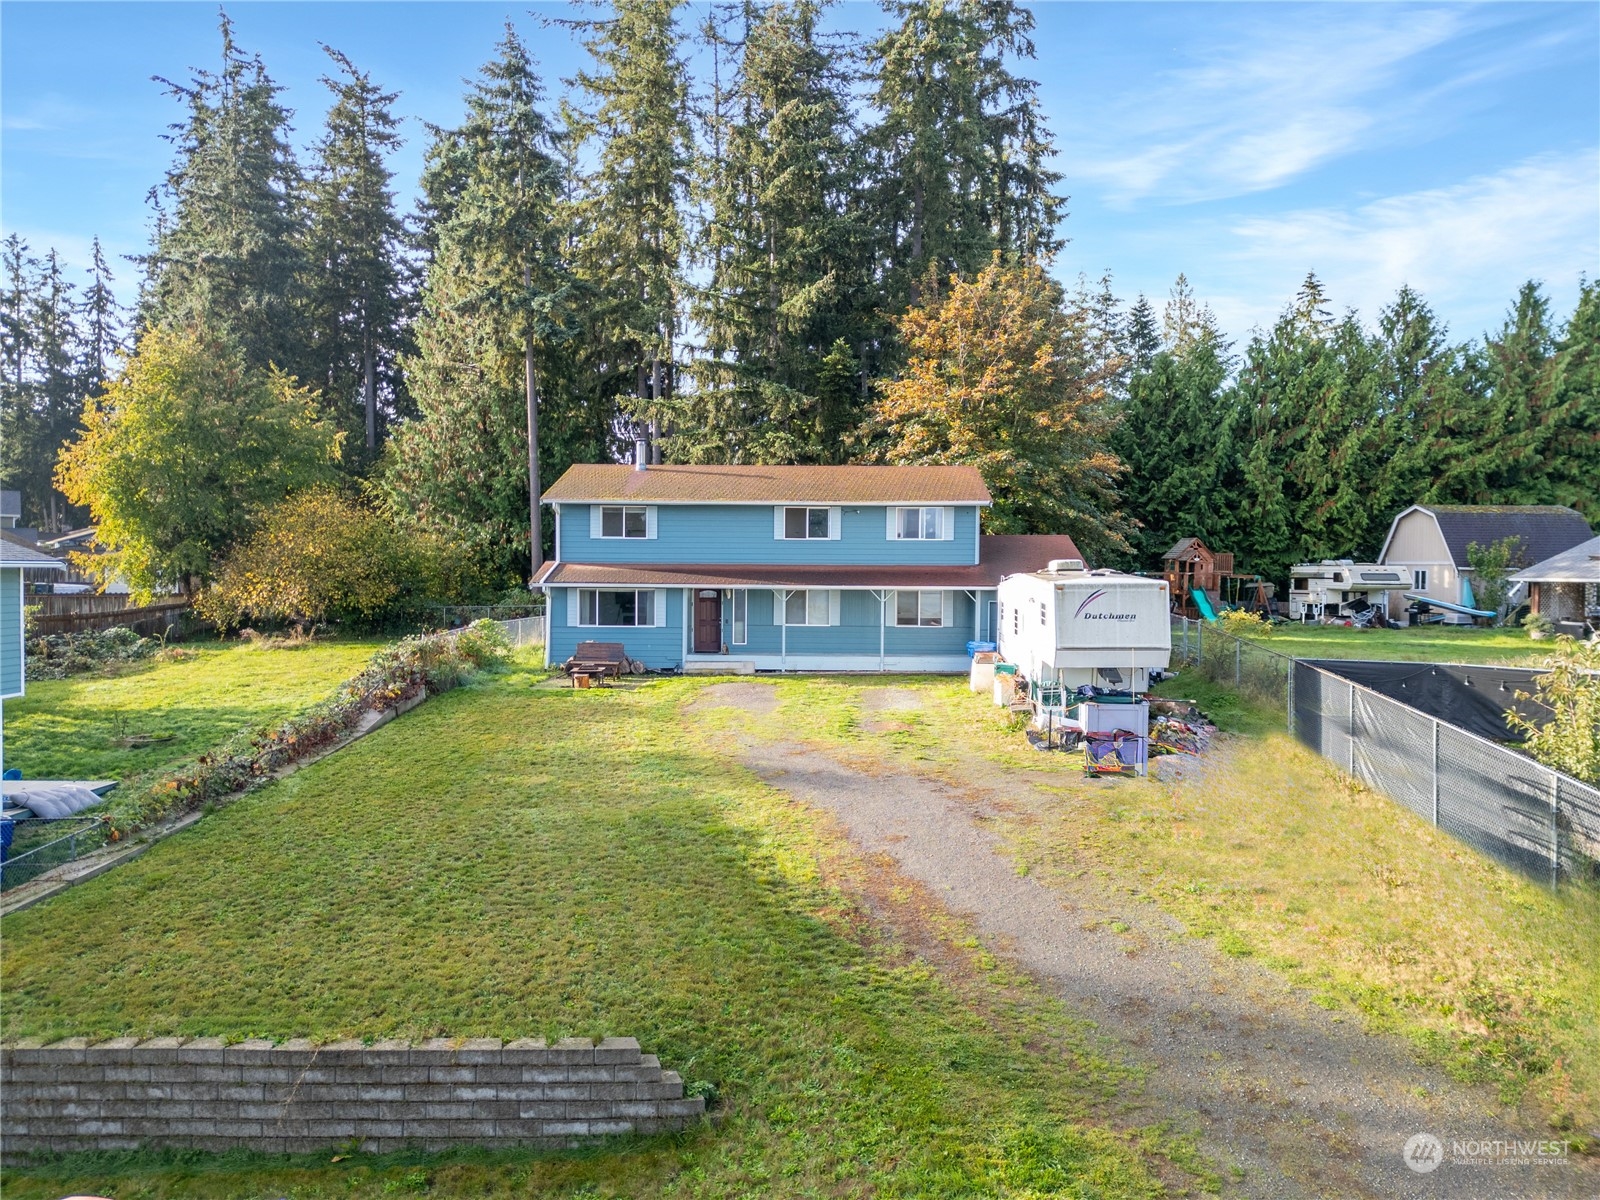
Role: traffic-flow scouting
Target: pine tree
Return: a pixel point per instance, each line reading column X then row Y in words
column 229, row 250
column 1142, row 336
column 359, row 302
column 497, row 322
column 960, row 147
column 102, row 317
column 632, row 118
column 785, row 247
column 1185, row 319
column 1179, row 436
column 1416, row 366
column 1572, row 454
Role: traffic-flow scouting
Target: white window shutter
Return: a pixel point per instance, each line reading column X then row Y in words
column 833, row 604
column 572, row 606
column 890, row 529
column 835, row 524
column 777, row 522
column 660, row 605
column 594, row 520
column 949, row 525
column 650, row 522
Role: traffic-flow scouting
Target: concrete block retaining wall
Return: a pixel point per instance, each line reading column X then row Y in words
column 295, row 1097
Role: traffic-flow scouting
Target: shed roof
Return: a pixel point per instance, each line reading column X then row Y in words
column 1185, row 548
column 16, row 553
column 1544, row 529
column 1581, row 564
column 999, row 555
column 717, row 483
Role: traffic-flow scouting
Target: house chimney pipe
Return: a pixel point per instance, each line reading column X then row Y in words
column 641, row 454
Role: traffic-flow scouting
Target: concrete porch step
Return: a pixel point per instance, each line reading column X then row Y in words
column 719, row 666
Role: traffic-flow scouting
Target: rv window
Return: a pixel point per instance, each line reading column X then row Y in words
column 1042, row 619
column 1299, row 585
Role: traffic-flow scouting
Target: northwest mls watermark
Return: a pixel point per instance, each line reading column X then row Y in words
column 1424, row 1153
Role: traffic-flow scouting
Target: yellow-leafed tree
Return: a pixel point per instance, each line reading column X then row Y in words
column 1004, row 376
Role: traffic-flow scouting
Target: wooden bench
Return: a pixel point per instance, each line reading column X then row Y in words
column 598, row 658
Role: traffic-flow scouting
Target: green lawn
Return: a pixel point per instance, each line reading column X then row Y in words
column 511, row 860
column 1463, row 644
column 70, row 728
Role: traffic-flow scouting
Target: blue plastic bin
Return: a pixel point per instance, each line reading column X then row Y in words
column 980, row 648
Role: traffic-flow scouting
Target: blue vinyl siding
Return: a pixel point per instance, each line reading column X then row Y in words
column 735, row 533
column 10, row 631
column 856, row 634
column 656, row 646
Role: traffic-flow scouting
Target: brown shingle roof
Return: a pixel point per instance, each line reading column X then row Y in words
column 1000, row 555
column 769, row 485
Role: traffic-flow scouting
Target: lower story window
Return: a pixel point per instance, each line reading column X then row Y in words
column 806, row 607
column 616, row 608
column 1419, row 580
column 740, row 606
column 919, row 608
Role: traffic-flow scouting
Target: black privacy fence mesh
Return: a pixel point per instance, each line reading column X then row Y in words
column 1535, row 820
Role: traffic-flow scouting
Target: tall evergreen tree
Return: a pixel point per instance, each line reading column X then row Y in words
column 632, row 119
column 359, row 297
column 496, row 321
column 1142, row 336
column 229, row 251
column 1573, row 453
column 1179, row 436
column 960, row 146
column 102, row 325
column 789, row 276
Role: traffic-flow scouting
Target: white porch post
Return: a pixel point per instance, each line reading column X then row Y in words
column 687, row 617
column 781, row 597
column 977, row 616
column 883, row 620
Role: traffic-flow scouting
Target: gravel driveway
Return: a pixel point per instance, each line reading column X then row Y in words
column 1302, row 1101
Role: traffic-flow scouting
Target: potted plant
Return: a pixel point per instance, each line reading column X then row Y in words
column 1538, row 626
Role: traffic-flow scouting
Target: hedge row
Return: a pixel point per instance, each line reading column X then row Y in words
column 427, row 664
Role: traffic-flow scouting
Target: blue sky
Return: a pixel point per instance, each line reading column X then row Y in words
column 1455, row 147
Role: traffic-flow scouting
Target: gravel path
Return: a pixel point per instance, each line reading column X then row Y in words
column 1302, row 1101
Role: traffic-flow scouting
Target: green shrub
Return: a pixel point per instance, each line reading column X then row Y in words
column 57, row 655
column 322, row 556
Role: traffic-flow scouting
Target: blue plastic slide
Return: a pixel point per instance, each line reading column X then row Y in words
column 1448, row 607
column 1203, row 603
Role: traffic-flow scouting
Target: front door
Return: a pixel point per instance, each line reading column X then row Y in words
column 708, row 621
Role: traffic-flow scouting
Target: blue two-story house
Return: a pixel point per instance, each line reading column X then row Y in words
column 738, row 568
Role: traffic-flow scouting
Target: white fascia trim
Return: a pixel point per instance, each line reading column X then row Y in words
column 815, row 503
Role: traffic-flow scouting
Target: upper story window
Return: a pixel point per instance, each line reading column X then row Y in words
column 921, row 524
column 622, row 521
column 805, row 524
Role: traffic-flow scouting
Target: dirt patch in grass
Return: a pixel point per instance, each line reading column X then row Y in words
column 757, row 699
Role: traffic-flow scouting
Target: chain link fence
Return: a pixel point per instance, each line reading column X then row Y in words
column 36, row 846
column 1533, row 819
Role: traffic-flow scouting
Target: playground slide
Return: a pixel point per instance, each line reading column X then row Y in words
column 1203, row 603
column 1448, row 607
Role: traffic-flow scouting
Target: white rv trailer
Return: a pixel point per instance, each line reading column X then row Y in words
column 1336, row 588
column 1068, row 626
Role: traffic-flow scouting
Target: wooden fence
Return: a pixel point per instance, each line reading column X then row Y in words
column 151, row 620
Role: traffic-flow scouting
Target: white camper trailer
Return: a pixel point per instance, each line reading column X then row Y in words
column 1072, row 628
column 1337, row 588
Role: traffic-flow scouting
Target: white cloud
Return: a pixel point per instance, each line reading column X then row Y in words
column 1273, row 99
column 1466, row 247
column 46, row 114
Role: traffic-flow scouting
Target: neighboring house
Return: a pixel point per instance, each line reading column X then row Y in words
column 1428, row 544
column 15, row 558
column 10, row 509
column 739, row 568
column 1566, row 588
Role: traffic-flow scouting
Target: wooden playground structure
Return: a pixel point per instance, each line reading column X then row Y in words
column 1202, row 582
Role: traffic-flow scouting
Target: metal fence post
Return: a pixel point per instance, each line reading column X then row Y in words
column 1555, row 829
column 1288, row 697
column 1351, row 730
column 1238, row 651
column 1199, row 642
column 1436, row 774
